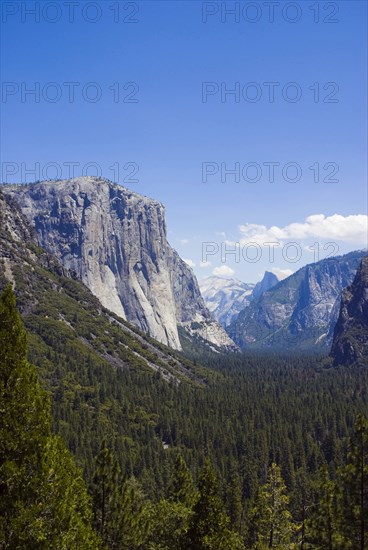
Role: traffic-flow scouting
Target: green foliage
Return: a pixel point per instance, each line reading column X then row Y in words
column 210, row 526
column 65, row 501
column 234, row 501
column 182, row 489
column 119, row 506
column 44, row 502
column 169, row 519
column 270, row 520
column 169, row 522
column 323, row 524
column 338, row 519
column 244, row 412
column 104, row 491
column 354, row 490
column 132, row 520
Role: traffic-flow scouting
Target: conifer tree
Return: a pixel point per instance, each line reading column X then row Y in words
column 210, row 526
column 322, row 528
column 65, row 498
column 354, row 489
column 301, row 504
column 270, row 520
column 119, row 513
column 168, row 523
column 44, row 502
column 182, row 487
column 170, row 517
column 105, row 483
column 131, row 518
column 234, row 500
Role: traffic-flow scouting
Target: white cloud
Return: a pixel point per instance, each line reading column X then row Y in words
column 351, row 229
column 223, row 271
column 205, row 264
column 184, row 241
column 281, row 273
column 189, row 262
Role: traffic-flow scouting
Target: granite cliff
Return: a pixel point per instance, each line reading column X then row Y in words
column 350, row 339
column 114, row 240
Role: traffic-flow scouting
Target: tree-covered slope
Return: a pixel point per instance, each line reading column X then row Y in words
column 97, row 367
column 43, row 499
column 110, row 383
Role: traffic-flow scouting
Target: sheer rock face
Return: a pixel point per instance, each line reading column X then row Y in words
column 350, row 340
column 20, row 258
column 13, row 222
column 13, row 230
column 115, row 241
column 300, row 311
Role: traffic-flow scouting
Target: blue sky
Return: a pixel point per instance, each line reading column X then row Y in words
column 164, row 127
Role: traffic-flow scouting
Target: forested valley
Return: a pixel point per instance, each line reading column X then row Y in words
column 266, row 452
column 183, row 275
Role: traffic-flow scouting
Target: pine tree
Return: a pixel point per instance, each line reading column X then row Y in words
column 168, row 522
column 170, row 517
column 182, row 488
column 131, row 518
column 301, row 504
column 44, row 502
column 270, row 520
column 322, row 528
column 105, row 496
column 65, row 494
column 119, row 506
column 234, row 500
column 210, row 526
column 353, row 481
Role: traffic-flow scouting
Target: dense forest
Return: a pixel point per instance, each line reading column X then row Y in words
column 269, row 452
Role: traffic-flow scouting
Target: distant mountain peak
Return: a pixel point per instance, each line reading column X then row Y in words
column 268, row 281
column 226, row 297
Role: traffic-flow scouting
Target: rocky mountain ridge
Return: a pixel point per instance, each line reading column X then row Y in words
column 299, row 312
